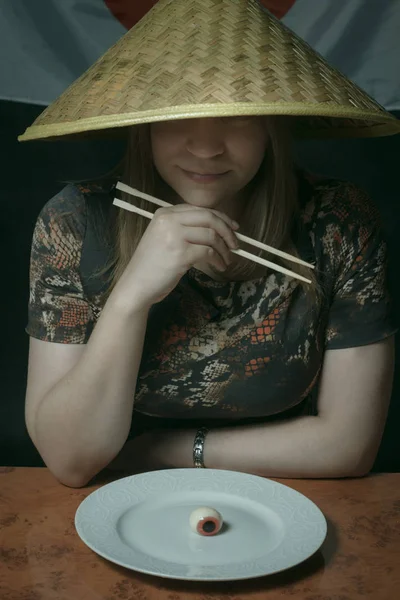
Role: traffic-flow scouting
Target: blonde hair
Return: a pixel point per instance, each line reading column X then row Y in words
column 269, row 214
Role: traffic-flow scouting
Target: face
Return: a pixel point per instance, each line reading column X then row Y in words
column 209, row 161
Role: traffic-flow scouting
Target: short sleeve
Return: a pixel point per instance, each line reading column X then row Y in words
column 361, row 308
column 58, row 310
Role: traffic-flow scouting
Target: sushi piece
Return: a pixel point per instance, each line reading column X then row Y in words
column 206, row 521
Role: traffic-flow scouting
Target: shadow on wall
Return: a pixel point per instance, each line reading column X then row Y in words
column 33, row 173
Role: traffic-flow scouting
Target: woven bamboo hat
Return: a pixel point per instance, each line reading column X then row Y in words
column 207, row 58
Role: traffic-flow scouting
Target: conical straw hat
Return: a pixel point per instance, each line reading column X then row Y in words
column 206, row 58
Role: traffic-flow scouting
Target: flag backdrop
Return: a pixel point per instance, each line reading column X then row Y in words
column 47, row 44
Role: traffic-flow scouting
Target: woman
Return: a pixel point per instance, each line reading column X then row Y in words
column 154, row 346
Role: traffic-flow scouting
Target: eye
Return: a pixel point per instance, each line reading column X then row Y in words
column 206, row 521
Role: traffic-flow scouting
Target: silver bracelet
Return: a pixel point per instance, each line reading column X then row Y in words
column 198, row 447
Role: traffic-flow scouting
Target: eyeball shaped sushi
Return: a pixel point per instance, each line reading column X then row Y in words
column 206, row 521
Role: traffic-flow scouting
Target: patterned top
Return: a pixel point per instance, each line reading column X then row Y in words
column 215, row 350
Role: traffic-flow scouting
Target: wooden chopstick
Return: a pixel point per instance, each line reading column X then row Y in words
column 133, row 192
column 242, row 253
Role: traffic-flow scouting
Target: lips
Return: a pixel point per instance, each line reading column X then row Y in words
column 206, row 174
column 204, row 177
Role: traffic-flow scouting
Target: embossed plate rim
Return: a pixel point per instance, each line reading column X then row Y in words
column 98, row 514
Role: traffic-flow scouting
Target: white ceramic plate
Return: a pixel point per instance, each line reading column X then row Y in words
column 142, row 523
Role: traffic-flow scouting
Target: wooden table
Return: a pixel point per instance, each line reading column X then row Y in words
column 42, row 558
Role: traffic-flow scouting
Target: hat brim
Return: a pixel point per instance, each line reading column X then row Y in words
column 310, row 121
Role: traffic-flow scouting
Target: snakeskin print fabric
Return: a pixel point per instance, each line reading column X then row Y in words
column 229, row 350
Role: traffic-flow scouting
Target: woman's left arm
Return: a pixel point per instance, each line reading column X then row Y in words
column 342, row 441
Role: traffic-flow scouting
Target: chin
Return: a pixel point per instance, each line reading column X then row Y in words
column 202, row 202
column 202, row 198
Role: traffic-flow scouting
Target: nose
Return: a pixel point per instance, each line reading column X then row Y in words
column 204, row 138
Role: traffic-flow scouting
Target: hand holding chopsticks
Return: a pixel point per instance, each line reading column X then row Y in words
column 133, row 192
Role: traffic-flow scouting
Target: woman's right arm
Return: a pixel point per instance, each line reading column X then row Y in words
column 79, row 400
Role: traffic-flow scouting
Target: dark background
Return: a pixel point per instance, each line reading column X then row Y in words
column 31, row 173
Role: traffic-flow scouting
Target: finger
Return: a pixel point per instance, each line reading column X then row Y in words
column 206, row 218
column 188, row 207
column 208, row 237
column 171, row 227
column 198, row 253
column 232, row 223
